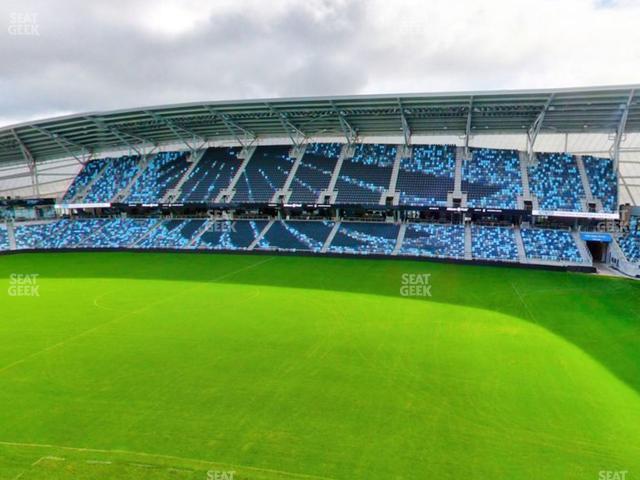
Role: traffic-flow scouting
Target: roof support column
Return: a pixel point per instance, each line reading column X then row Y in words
column 467, row 134
column 617, row 140
column 31, row 164
column 534, row 130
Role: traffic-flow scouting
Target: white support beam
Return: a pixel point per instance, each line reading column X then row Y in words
column 31, row 164
column 467, row 131
column 288, row 127
column 176, row 129
column 350, row 133
column 406, row 129
column 122, row 135
column 62, row 141
column 622, row 124
column 536, row 126
column 233, row 127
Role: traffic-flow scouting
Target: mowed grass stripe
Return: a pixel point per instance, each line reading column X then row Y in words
column 319, row 366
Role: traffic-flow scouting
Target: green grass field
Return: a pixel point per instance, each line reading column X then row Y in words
column 178, row 366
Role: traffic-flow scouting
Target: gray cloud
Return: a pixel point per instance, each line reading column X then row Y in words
column 116, row 54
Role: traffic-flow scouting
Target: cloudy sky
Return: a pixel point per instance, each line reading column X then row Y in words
column 66, row 56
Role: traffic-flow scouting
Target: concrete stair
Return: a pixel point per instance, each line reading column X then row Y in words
column 346, row 152
column 176, row 191
column 329, row 239
column 468, row 255
column 522, row 255
column 402, row 152
column 400, row 239
column 147, row 233
column 142, row 166
column 285, row 191
column 262, row 233
column 79, row 197
column 229, row 192
column 582, row 248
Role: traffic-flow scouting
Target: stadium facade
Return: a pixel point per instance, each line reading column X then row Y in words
column 537, row 177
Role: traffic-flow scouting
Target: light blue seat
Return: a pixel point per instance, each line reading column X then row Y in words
column 603, row 181
column 433, row 240
column 556, row 182
column 365, row 177
column 492, row 178
column 365, row 238
column 551, row 245
column 427, row 176
column 296, row 235
column 493, row 243
column 314, row 172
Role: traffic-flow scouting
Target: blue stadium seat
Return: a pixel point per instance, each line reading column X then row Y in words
column 119, row 233
column 365, row 177
column 556, row 182
column 603, row 181
column 552, row 245
column 214, row 173
column 86, row 176
column 231, row 235
column 117, row 175
column 266, row 172
column 630, row 242
column 433, row 240
column 427, row 176
column 161, row 174
column 172, row 234
column 314, row 172
column 4, row 238
column 296, row 235
column 492, row 179
column 365, row 238
column 493, row 243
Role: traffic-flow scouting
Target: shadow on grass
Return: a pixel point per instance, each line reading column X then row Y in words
column 597, row 314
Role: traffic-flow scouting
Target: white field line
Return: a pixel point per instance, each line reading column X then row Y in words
column 127, row 314
column 165, row 457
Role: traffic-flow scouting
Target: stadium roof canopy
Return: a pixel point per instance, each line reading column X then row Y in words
column 575, row 110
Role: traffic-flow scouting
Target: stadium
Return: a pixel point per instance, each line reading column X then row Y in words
column 438, row 285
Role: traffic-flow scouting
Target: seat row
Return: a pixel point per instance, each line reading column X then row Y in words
column 363, row 238
column 490, row 178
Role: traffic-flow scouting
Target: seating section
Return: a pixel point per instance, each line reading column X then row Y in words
column 433, row 240
column 118, row 233
column 266, row 172
column 296, row 236
column 314, row 172
column 4, row 238
column 556, row 182
column 231, row 235
column 427, row 176
column 172, row 234
column 550, row 245
column 116, row 176
column 603, row 181
column 365, row 177
column 59, row 234
column 493, row 243
column 86, row 176
column 161, row 174
column 214, row 173
column 630, row 242
column 365, row 238
column 492, row 179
